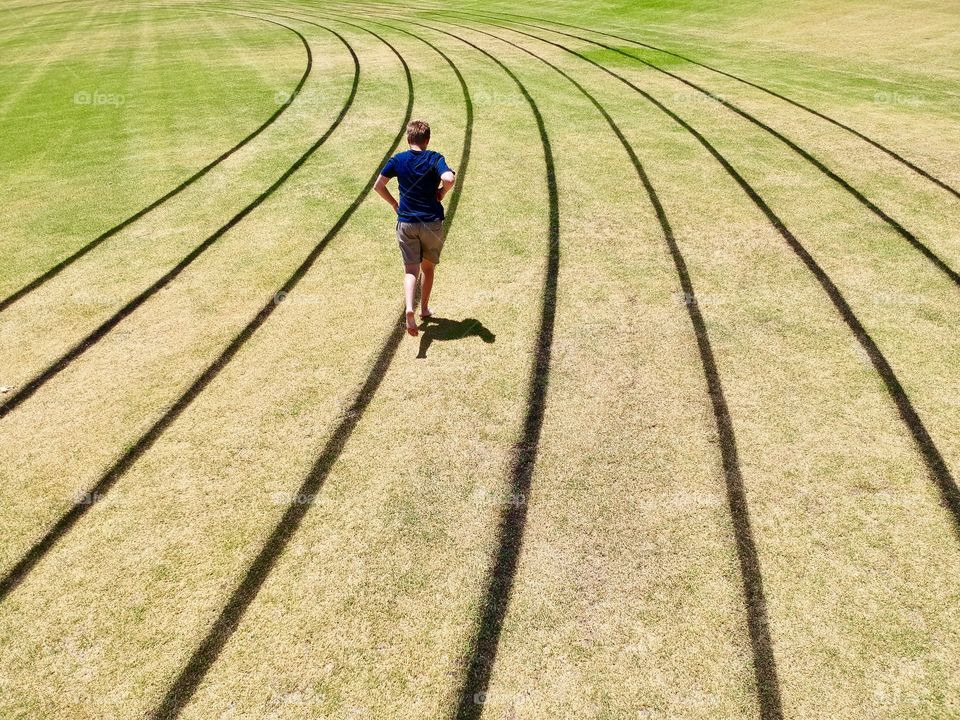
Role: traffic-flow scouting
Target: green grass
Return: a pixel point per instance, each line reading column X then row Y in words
column 95, row 126
column 628, row 595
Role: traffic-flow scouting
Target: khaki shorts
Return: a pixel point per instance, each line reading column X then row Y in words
column 420, row 241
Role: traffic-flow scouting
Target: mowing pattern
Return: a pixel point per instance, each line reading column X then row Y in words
column 67, row 261
column 885, row 523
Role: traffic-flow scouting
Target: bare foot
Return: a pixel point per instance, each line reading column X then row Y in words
column 425, row 313
column 411, row 324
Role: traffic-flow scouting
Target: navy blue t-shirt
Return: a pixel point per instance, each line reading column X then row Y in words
column 418, row 173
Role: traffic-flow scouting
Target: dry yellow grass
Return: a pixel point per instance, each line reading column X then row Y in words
column 628, row 598
column 85, row 414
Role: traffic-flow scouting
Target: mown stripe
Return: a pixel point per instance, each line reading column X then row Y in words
column 76, row 255
column 96, row 493
column 764, row 663
column 481, row 655
column 31, row 386
column 932, row 458
column 823, row 116
column 188, row 679
column 912, row 239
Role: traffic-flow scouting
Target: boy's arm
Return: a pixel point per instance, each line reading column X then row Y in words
column 380, row 188
column 446, row 182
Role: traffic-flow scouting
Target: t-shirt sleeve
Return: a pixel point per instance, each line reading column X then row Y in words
column 442, row 166
column 390, row 169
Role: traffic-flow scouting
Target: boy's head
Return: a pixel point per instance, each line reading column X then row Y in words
column 418, row 133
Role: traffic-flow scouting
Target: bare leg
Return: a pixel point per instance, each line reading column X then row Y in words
column 426, row 285
column 410, row 274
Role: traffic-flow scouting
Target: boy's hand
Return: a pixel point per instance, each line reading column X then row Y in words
column 446, row 182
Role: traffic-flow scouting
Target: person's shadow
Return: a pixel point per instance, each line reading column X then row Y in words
column 437, row 328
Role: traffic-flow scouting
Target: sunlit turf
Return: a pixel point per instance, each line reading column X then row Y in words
column 314, row 517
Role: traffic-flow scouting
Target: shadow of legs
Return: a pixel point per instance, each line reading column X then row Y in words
column 442, row 329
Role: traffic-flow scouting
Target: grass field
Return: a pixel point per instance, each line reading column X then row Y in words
column 684, row 445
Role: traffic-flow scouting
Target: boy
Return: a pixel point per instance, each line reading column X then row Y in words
column 424, row 180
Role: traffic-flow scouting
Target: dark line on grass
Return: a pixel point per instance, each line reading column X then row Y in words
column 917, row 244
column 468, row 102
column 203, row 658
column 764, row 663
column 511, row 527
column 76, row 255
column 936, row 465
column 502, row 573
column 189, row 678
column 29, row 388
column 879, row 146
column 22, row 568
